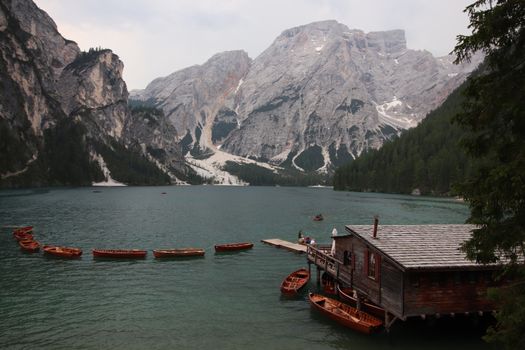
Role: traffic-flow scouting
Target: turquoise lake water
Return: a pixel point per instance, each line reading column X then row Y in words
column 229, row 301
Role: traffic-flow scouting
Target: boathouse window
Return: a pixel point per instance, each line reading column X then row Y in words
column 347, row 257
column 372, row 264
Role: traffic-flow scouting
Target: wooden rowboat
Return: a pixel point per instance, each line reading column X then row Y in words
column 232, row 247
column 29, row 245
column 295, row 281
column 119, row 253
column 373, row 309
column 25, row 229
column 178, row 253
column 23, row 236
column 62, row 252
column 344, row 314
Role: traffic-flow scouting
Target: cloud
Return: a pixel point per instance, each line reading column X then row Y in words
column 157, row 37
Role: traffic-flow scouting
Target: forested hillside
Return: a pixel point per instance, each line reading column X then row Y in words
column 428, row 158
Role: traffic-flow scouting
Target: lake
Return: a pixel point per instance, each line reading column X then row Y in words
column 228, row 301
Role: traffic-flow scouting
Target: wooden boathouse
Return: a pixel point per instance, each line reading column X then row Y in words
column 408, row 270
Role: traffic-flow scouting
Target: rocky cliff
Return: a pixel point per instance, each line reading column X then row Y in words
column 319, row 96
column 193, row 98
column 63, row 112
column 148, row 130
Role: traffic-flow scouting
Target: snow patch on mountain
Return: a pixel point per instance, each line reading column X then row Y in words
column 390, row 113
column 281, row 157
column 212, row 167
column 110, row 182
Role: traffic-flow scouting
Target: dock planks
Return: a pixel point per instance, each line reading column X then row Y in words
column 279, row 243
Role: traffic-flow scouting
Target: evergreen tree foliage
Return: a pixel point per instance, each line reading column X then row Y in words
column 130, row 166
column 427, row 158
column 258, row 176
column 494, row 120
column 67, row 157
column 310, row 159
column 86, row 57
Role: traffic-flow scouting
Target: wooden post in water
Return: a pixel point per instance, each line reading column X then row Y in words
column 318, row 276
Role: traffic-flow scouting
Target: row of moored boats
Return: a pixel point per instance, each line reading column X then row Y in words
column 24, row 236
column 365, row 320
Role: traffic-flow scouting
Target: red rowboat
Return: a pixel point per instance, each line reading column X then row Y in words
column 344, row 314
column 373, row 309
column 232, row 247
column 119, row 253
column 63, row 252
column 23, row 236
column 295, row 281
column 25, row 229
column 318, row 217
column 178, row 253
column 29, row 245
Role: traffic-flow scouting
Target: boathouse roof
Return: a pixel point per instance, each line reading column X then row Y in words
column 419, row 246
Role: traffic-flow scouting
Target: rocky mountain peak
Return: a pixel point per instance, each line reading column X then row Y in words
column 317, row 97
column 226, row 57
column 388, row 42
column 64, row 114
column 192, row 97
column 52, row 51
column 93, row 82
column 317, row 35
column 325, row 28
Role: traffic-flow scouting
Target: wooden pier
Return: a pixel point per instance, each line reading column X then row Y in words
column 279, row 243
column 321, row 257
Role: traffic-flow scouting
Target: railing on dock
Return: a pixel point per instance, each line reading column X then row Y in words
column 321, row 257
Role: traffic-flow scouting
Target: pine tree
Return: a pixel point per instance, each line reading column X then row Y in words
column 494, row 119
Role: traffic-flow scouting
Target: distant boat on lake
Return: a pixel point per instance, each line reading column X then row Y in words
column 233, row 247
column 62, row 252
column 29, row 245
column 119, row 253
column 23, row 235
column 178, row 253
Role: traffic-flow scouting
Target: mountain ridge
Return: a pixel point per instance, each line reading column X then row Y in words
column 63, row 112
column 319, row 90
column 317, row 97
column 425, row 160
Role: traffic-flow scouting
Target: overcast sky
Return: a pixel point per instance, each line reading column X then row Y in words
column 157, row 37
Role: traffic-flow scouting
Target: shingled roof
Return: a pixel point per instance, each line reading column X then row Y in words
column 419, row 246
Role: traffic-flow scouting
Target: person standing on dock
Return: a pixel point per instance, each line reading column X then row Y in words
column 300, row 237
column 334, row 234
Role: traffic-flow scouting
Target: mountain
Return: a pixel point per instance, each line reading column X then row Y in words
column 318, row 97
column 424, row 160
column 64, row 115
column 193, row 97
